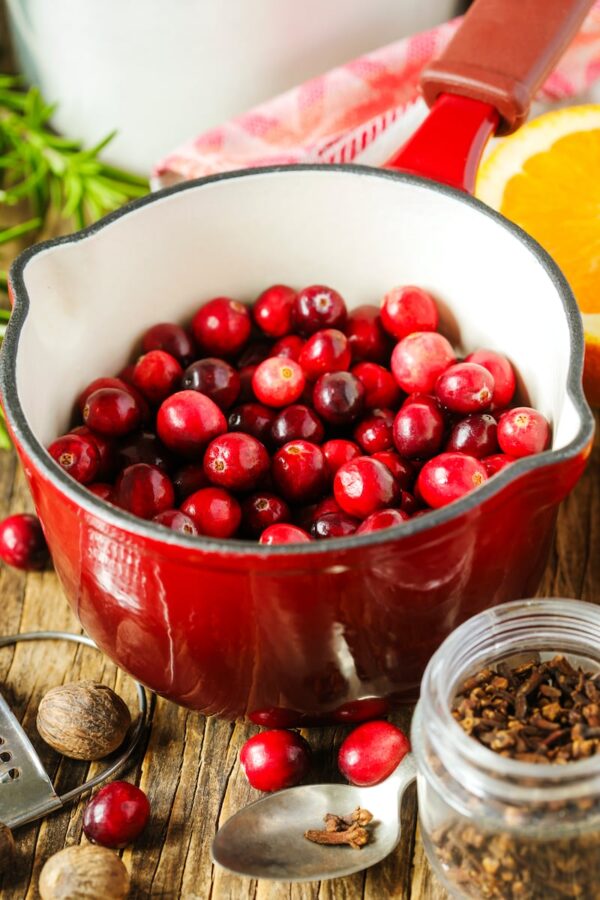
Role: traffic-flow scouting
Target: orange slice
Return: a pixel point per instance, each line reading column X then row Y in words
column 546, row 178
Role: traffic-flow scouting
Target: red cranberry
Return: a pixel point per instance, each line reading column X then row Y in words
column 419, row 359
column 254, row 353
column 188, row 421
column 277, row 759
column 99, row 383
column 236, row 461
column 189, row 479
column 334, row 524
column 254, row 419
column 102, row 490
column 222, row 326
column 294, row 423
column 408, row 503
column 383, row 518
column 367, row 339
column 374, row 433
column 144, row 491
column 448, row 477
column 364, row 485
column 22, row 542
column 318, row 307
column 284, row 534
column 290, row 347
column 272, row 311
column 278, row 382
column 475, row 436
column 324, row 508
column 143, row 447
column 523, row 431
column 298, row 470
column 125, row 375
column 176, row 521
column 325, row 351
column 156, row 375
column 419, row 427
column 361, row 710
column 502, row 372
column 339, row 397
column 112, row 412
column 372, row 752
column 215, row 378
column 117, row 815
column 339, row 451
column 405, row 310
column 496, row 462
column 401, row 469
column 381, row 390
column 262, row 510
column 246, row 374
column 276, row 717
column 106, row 450
column 214, row 511
column 77, row 456
column 172, row 339
column 465, row 388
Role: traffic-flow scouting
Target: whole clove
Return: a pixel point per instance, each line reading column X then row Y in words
column 351, row 830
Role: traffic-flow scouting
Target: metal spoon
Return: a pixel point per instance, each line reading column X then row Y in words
column 266, row 839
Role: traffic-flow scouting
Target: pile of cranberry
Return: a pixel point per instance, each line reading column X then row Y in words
column 295, row 420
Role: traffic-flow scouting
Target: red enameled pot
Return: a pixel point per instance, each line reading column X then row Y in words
column 233, row 628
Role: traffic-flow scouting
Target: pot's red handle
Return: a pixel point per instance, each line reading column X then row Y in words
column 484, row 82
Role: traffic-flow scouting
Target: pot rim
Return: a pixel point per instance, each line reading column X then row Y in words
column 243, row 548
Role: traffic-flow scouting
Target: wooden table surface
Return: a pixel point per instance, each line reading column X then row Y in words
column 190, row 767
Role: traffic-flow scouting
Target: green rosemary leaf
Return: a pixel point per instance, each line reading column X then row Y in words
column 5, row 443
column 9, row 234
column 4, row 313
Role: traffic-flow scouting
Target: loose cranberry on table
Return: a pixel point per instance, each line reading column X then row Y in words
column 215, row 378
column 283, row 533
column 496, row 462
column 215, row 512
column 465, row 388
column 381, row 390
column 333, row 525
column 77, row 455
column 172, row 339
column 236, row 461
column 523, row 431
column 278, row 381
column 117, row 815
column 156, row 375
column 383, row 518
column 144, row 491
column 262, row 510
column 449, row 477
column 326, row 351
column 361, row 710
column 274, row 760
column 419, row 359
column 402, row 470
column 290, row 347
column 372, row 752
column 502, row 372
column 22, row 542
column 296, row 422
column 113, row 412
column 405, row 310
column 189, row 479
column 272, row 311
column 188, row 421
column 176, row 521
column 317, row 307
column 366, row 336
column 339, row 398
column 363, row 486
column 338, row 451
column 374, row 433
column 252, row 418
column 475, row 435
column 222, row 327
column 299, row 472
column 419, row 427
column 143, row 447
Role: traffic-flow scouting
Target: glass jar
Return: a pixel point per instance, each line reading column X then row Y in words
column 495, row 827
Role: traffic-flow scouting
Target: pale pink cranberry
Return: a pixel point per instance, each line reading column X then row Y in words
column 380, row 386
column 367, row 339
column 187, row 421
column 402, row 470
column 465, row 388
column 278, row 381
column 157, row 374
column 419, row 359
column 272, row 311
column 221, row 326
column 523, row 431
column 236, row 461
column 476, row 436
column 383, row 518
column 284, row 534
column 338, row 451
column 318, row 307
column 290, row 347
column 375, row 432
column 364, row 485
column 372, row 752
column 214, row 512
column 325, row 351
column 299, row 472
column 405, row 310
column 448, row 477
column 496, row 462
column 419, row 427
column 502, row 373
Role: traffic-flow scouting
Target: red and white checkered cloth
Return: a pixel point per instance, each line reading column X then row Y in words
column 359, row 112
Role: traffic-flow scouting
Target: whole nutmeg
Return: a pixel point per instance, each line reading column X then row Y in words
column 83, row 720
column 82, row 872
column 7, row 847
